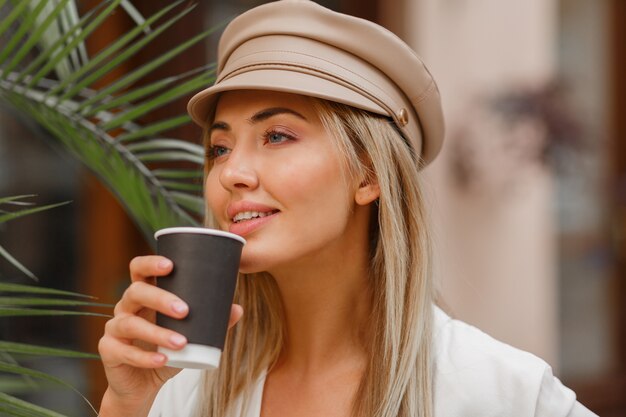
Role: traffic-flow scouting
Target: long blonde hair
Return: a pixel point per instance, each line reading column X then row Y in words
column 397, row 381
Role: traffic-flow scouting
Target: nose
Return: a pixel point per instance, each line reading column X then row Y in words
column 238, row 171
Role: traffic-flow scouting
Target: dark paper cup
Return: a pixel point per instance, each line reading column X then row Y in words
column 206, row 264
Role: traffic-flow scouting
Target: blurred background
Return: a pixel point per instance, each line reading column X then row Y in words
column 528, row 197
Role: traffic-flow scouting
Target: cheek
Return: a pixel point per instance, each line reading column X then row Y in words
column 214, row 194
column 314, row 186
column 309, row 177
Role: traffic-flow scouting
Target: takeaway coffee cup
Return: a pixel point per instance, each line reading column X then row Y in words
column 206, row 263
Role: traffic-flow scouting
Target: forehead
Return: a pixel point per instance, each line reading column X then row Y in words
column 243, row 103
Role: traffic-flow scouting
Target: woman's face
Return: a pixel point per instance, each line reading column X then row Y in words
column 277, row 180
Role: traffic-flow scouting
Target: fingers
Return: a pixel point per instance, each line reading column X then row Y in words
column 125, row 331
column 131, row 335
column 140, row 295
column 130, row 328
column 115, row 352
column 133, row 321
column 143, row 268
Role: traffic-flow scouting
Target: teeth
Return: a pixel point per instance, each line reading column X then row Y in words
column 247, row 215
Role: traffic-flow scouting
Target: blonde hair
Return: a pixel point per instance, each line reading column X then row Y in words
column 397, row 381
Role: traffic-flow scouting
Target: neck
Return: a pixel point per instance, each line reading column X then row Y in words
column 327, row 306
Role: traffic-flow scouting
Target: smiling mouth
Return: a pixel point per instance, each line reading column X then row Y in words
column 249, row 215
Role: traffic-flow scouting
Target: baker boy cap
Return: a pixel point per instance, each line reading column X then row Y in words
column 298, row 46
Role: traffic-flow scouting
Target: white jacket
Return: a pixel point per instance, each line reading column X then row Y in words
column 475, row 376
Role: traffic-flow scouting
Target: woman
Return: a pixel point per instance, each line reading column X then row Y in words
column 316, row 129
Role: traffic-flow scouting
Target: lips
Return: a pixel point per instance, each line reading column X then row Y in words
column 247, row 216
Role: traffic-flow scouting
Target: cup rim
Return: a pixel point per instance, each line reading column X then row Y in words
column 199, row 231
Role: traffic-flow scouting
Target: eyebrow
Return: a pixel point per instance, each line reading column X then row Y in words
column 273, row 111
column 258, row 117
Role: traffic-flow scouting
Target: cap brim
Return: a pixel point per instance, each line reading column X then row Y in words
column 201, row 105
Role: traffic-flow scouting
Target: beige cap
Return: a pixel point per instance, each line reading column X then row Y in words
column 298, row 46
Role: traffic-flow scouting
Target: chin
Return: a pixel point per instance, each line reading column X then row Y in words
column 244, row 270
column 256, row 258
column 249, row 265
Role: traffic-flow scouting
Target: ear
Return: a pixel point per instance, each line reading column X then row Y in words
column 367, row 193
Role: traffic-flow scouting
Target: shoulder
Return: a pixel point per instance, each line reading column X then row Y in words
column 178, row 396
column 476, row 375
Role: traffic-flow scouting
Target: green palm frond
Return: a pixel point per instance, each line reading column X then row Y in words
column 24, row 300
column 27, row 349
column 19, row 300
column 12, row 368
column 12, row 406
column 27, row 300
column 8, row 215
column 46, row 75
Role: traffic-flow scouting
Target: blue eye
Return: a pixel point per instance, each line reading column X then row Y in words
column 275, row 137
column 216, row 151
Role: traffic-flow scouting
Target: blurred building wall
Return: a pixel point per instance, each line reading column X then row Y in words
column 588, row 269
column 492, row 209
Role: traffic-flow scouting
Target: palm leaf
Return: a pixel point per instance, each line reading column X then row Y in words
column 21, row 213
column 16, row 385
column 17, row 200
column 20, row 370
column 6, row 216
column 74, row 37
column 31, row 289
column 34, row 13
column 27, row 349
column 46, row 75
column 19, row 300
column 40, row 301
column 109, row 53
column 17, row 264
column 38, row 312
column 13, row 15
column 14, row 304
column 15, row 407
column 50, row 40
column 157, row 178
column 37, row 36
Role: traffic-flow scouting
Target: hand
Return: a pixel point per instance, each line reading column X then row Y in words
column 134, row 370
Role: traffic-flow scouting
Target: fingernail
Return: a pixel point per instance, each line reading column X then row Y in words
column 158, row 358
column 165, row 263
column 179, row 307
column 178, row 340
